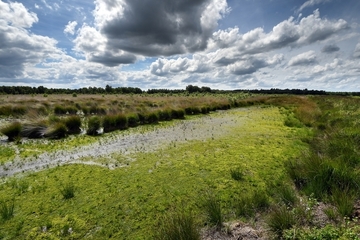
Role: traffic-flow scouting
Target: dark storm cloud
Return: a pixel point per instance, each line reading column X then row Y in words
column 108, row 59
column 330, row 48
column 159, row 27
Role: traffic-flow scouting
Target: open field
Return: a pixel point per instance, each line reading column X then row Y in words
column 129, row 184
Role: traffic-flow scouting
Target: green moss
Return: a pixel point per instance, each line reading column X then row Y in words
column 126, row 203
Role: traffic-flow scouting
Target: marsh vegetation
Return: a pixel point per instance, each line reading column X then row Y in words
column 180, row 167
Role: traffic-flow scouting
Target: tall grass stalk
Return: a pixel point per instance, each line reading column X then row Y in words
column 178, row 226
column 213, row 210
column 7, row 210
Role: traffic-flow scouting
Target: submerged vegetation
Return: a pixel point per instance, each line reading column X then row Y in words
column 291, row 161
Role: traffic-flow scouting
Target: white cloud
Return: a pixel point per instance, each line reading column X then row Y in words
column 289, row 33
column 311, row 3
column 18, row 47
column 70, row 27
column 16, row 15
column 303, row 59
column 357, row 51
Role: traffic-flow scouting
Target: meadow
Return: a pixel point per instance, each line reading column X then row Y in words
column 188, row 167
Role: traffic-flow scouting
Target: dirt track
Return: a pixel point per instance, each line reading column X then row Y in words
column 206, row 127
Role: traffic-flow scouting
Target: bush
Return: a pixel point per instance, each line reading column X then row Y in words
column 73, row 124
column 12, row 131
column 6, row 210
column 180, row 225
column 94, row 125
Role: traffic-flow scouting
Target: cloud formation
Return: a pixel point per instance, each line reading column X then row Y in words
column 330, row 48
column 151, row 28
column 357, row 51
column 311, row 3
column 70, row 27
column 303, row 59
column 18, row 46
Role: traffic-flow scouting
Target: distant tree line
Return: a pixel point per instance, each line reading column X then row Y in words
column 133, row 90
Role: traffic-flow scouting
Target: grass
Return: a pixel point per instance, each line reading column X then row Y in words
column 213, row 210
column 126, row 202
column 7, row 210
column 68, row 190
column 237, row 174
column 12, row 131
column 94, row 124
column 178, row 225
column 280, row 219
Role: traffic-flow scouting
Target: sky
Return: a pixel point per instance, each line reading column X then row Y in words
column 170, row 44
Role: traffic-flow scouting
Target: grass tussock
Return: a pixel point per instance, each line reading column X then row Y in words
column 94, row 124
column 177, row 225
column 7, row 209
column 12, row 131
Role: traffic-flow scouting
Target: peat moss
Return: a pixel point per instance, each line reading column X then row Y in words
column 126, row 203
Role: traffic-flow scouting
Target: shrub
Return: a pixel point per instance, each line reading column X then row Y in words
column 7, row 210
column 213, row 210
column 73, row 124
column 94, row 124
column 280, row 219
column 56, row 131
column 12, row 131
column 180, row 225
column 68, row 190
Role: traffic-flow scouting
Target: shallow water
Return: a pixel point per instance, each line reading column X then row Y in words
column 211, row 126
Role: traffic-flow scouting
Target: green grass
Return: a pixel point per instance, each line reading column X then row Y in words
column 179, row 225
column 126, row 202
